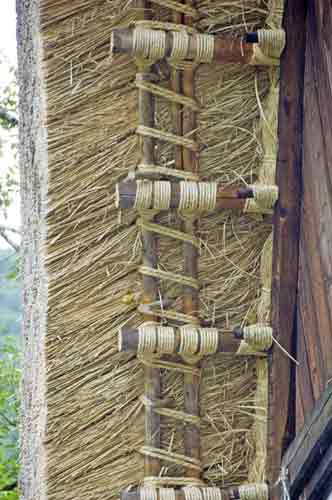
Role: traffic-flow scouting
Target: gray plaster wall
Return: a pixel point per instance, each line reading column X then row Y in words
column 33, row 179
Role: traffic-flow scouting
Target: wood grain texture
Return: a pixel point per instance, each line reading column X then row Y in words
column 308, row 454
column 281, row 413
column 315, row 272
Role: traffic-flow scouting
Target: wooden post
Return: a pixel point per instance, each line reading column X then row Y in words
column 192, row 441
column 225, row 50
column 281, row 409
column 150, row 285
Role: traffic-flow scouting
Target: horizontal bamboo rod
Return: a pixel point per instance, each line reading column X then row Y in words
column 225, row 50
column 227, row 342
column 226, row 494
column 227, row 197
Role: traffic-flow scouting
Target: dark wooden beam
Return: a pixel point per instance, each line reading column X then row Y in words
column 309, row 456
column 281, row 408
column 227, row 197
column 227, row 342
column 225, row 50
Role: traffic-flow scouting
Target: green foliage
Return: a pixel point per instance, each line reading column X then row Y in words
column 9, row 410
column 8, row 124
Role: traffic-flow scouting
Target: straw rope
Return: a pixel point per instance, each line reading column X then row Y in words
column 205, row 48
column 257, row 491
column 172, row 457
column 168, row 94
column 149, row 44
column 153, row 338
column 168, row 232
column 194, row 196
column 166, row 26
column 258, row 336
column 264, row 199
column 254, row 492
column 172, row 481
column 177, row 7
column 167, row 172
column 161, row 135
column 167, row 275
column 269, row 47
column 148, row 493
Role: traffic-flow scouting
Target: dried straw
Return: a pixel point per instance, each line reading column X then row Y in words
column 95, row 414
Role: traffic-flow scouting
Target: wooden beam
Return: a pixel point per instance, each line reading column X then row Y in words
column 225, row 50
column 227, row 197
column 310, row 447
column 281, row 408
column 227, row 342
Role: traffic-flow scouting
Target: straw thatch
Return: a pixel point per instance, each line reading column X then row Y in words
column 95, row 415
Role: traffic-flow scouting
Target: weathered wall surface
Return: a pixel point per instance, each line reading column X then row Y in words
column 315, row 273
column 33, row 171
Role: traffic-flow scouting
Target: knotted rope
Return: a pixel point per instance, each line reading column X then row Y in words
column 270, row 45
column 254, row 492
column 258, row 336
column 265, row 197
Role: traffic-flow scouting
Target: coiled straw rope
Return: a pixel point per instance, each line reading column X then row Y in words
column 270, row 45
column 200, row 196
column 254, row 492
column 149, row 44
column 258, row 336
column 265, row 196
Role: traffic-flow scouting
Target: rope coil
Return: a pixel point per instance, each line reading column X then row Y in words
column 254, row 492
column 204, row 48
column 149, row 44
column 145, row 170
column 259, row 336
column 153, row 338
column 270, row 45
column 265, row 197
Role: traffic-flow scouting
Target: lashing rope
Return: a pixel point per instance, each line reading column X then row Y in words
column 270, row 45
column 264, row 199
column 194, row 196
column 153, row 338
column 146, row 170
column 172, row 457
column 259, row 491
column 254, row 492
column 159, row 481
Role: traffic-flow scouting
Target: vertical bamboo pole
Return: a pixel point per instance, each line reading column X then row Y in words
column 152, row 384
column 176, row 84
column 190, row 295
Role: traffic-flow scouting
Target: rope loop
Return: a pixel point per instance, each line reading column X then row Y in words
column 270, row 45
column 254, row 492
column 265, row 196
column 258, row 336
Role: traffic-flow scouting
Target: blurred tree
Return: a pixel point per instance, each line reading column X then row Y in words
column 9, row 358
column 8, row 126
